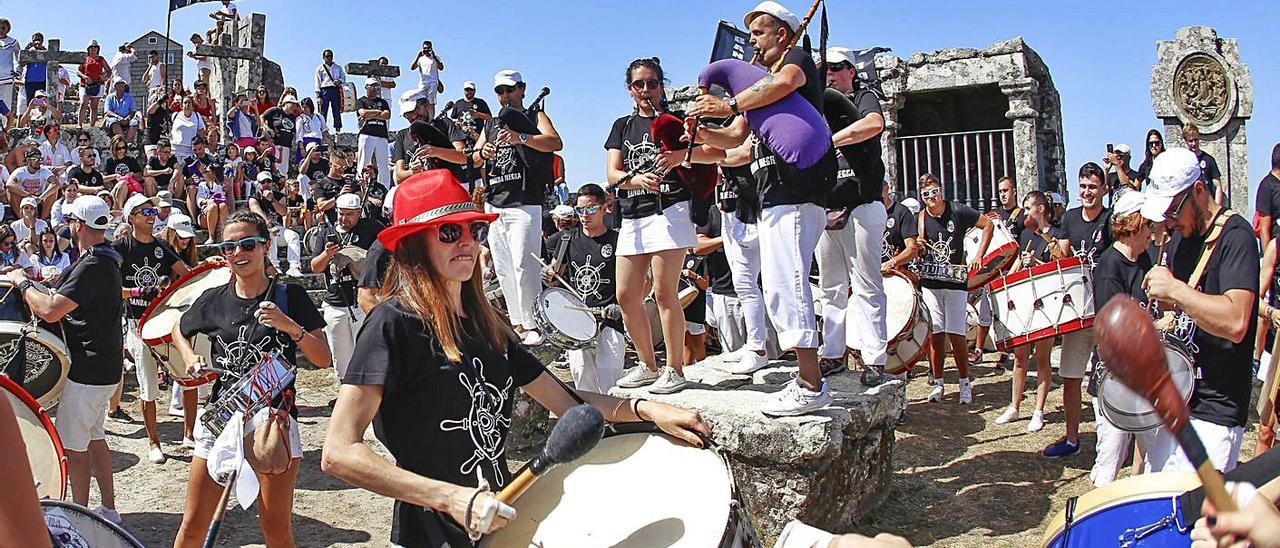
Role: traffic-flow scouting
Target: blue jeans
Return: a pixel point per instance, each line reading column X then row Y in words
column 331, row 98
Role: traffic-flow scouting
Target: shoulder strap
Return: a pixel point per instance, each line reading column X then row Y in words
column 281, row 298
column 920, row 227
column 1211, row 243
column 562, row 248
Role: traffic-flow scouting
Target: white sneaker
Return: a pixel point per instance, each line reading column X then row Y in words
column 109, row 514
column 532, row 338
column 794, row 399
column 1037, row 422
column 188, row 443
column 156, row 455
column 938, row 390
column 669, row 381
column 175, row 404
column 966, row 391
column 637, row 377
column 294, row 272
column 750, row 363
column 1009, row 415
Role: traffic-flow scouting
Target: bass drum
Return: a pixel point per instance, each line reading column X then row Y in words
column 73, row 525
column 906, row 321
column 1135, row 511
column 44, row 447
column 564, row 507
column 47, row 360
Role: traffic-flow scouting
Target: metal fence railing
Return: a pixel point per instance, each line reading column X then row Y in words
column 968, row 163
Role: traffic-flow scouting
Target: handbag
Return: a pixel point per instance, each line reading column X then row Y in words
column 266, row 448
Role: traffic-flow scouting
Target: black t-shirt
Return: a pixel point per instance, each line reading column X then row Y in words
column 158, row 124
column 196, row 167
column 518, row 175
column 696, row 311
column 942, row 259
column 268, row 205
column 631, row 135
column 1224, row 387
column 124, row 166
column 143, row 266
column 329, row 188
column 1089, row 238
column 1208, row 171
column 737, row 194
column 1013, row 222
column 406, row 145
column 1114, row 274
column 1041, row 249
column 318, row 170
column 92, row 330
column 814, row 83
column 376, row 262
column 90, row 177
column 863, row 159
column 162, row 181
column 590, row 267
column 439, row 419
column 340, row 287
column 900, row 225
column 238, row 340
column 1267, row 200
column 462, row 113
column 1113, row 183
column 717, row 264
column 373, row 127
column 283, row 126
column 780, row 183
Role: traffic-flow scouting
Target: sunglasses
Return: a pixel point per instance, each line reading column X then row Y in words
column 7, row 243
column 1154, row 144
column 247, row 245
column 587, row 210
column 146, row 211
column 451, row 233
column 931, row 193
column 503, row 90
column 1177, row 210
column 651, row 83
column 839, row 67
column 117, row 149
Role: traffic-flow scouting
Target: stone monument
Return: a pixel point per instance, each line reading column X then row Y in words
column 1199, row 79
column 239, row 65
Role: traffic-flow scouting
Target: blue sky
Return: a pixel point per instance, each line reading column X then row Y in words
column 1099, row 53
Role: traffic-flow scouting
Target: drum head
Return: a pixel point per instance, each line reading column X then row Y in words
column 564, row 508
column 75, row 526
column 349, row 257
column 47, row 361
column 156, row 325
column 1131, row 412
column 558, row 310
column 901, row 299
column 44, row 448
column 1105, row 514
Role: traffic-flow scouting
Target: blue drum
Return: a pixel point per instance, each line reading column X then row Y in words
column 1136, row 511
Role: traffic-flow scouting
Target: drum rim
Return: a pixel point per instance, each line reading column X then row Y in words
column 50, row 340
column 1108, row 410
column 549, row 328
column 168, row 291
column 27, row 399
column 922, row 316
column 1122, row 491
column 124, row 533
column 1019, row 276
column 915, row 303
column 1041, row 334
column 985, row 274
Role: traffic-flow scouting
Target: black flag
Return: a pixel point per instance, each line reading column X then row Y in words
column 179, row 4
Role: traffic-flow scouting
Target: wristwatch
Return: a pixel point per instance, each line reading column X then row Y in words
column 733, row 104
column 24, row 285
column 524, row 138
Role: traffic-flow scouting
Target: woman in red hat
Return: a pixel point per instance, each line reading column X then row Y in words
column 438, row 374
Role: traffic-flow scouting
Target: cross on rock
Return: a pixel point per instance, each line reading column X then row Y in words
column 237, row 66
column 373, row 68
column 53, row 56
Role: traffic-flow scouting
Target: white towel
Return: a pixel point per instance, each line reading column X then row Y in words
column 227, row 455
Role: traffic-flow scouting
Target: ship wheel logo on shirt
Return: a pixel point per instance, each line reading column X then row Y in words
column 588, row 278
column 939, row 251
column 1184, row 329
column 505, row 161
column 484, row 422
column 639, row 153
column 240, row 355
column 145, row 275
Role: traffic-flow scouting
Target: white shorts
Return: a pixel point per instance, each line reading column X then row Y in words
column 694, row 328
column 205, row 437
column 144, row 362
column 82, row 413
column 1222, row 443
column 947, row 310
column 673, row 229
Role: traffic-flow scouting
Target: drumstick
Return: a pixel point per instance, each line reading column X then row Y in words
column 566, row 285
column 211, row 537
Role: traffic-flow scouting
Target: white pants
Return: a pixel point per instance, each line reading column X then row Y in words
column 376, row 150
column 293, row 247
column 1222, row 443
column 598, row 368
column 849, row 258
column 144, row 364
column 726, row 316
column 283, row 156
column 984, row 308
column 1113, row 448
column 341, row 323
column 788, row 236
column 742, row 249
column 515, row 239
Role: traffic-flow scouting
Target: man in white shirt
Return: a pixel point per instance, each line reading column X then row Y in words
column 122, row 63
column 8, row 70
column 329, row 81
column 224, row 15
column 428, row 65
column 204, row 65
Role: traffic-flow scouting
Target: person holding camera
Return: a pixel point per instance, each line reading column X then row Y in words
column 1119, row 175
column 270, row 205
column 342, row 317
column 428, row 65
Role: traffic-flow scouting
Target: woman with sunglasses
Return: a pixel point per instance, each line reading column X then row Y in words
column 435, row 352
column 94, row 73
column 249, row 316
column 656, row 231
column 1153, row 147
column 123, row 174
column 262, row 101
column 204, row 104
column 11, row 258
column 519, row 169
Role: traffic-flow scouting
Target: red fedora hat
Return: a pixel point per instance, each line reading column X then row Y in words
column 427, row 199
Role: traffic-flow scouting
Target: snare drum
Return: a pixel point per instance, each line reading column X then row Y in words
column 560, row 318
column 1001, row 252
column 566, row 506
column 157, row 322
column 1041, row 302
column 44, row 447
column 906, row 320
column 47, row 360
column 1132, row 412
column 1135, row 511
column 73, row 525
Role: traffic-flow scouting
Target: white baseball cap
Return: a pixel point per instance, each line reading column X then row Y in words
column 266, row 176
column 134, row 201
column 249, row 149
column 468, row 85
column 372, row 82
column 349, row 201
column 29, row 201
column 1172, row 172
column 912, row 204
column 1130, row 201
column 91, row 210
column 775, row 9
column 164, row 198
column 1122, row 149
column 562, row 212
column 289, row 99
column 181, row 224
column 507, row 78
column 839, row 55
column 1057, row 199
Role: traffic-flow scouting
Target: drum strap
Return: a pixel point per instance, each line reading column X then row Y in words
column 1210, row 243
column 561, row 249
column 1069, row 521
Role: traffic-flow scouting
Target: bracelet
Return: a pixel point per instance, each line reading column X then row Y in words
column 475, row 535
column 635, row 408
column 301, row 335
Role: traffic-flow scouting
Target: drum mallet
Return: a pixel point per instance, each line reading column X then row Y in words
column 575, row 434
column 1130, row 348
column 566, row 285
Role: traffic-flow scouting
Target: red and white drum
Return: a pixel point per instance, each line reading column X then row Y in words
column 44, row 447
column 1001, row 252
column 564, row 507
column 906, row 321
column 157, row 322
column 1040, row 302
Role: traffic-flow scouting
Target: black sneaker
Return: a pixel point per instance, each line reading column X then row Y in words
column 120, row 416
column 832, row 366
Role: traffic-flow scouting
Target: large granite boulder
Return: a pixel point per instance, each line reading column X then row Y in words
column 828, row 469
